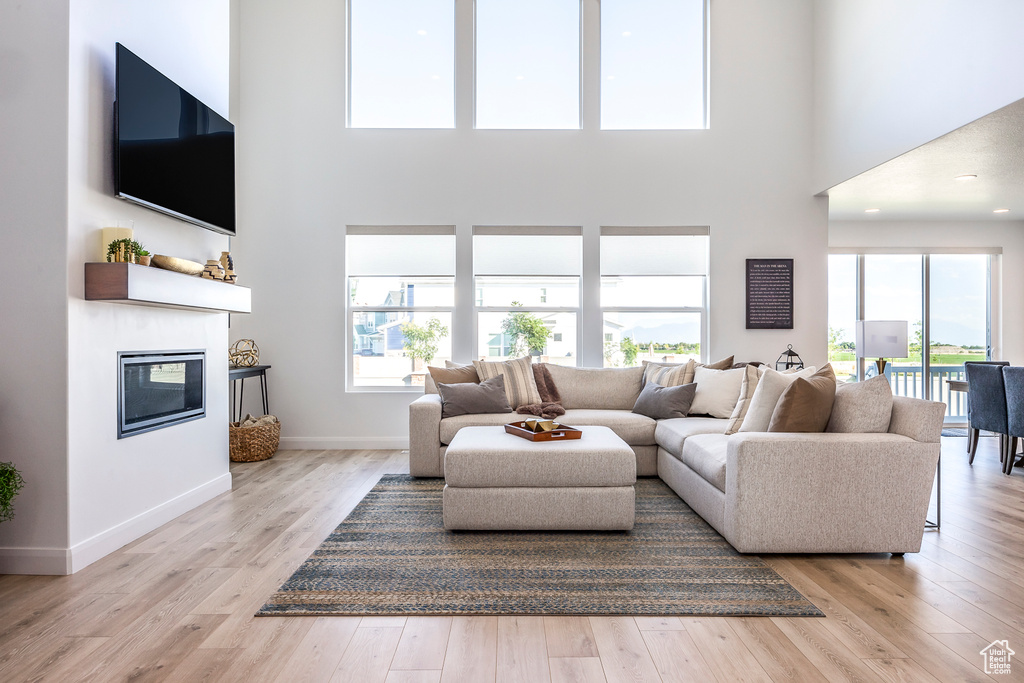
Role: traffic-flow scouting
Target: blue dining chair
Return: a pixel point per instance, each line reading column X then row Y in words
column 1013, row 378
column 986, row 396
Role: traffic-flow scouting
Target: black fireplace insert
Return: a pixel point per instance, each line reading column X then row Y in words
column 159, row 389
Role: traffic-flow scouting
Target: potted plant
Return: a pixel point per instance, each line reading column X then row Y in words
column 124, row 250
column 10, row 483
column 143, row 256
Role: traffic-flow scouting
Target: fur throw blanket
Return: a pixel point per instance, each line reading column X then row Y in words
column 550, row 405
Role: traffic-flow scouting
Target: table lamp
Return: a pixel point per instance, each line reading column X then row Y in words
column 882, row 339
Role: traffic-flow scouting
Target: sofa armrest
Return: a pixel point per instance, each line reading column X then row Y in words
column 425, row 437
column 919, row 419
column 827, row 492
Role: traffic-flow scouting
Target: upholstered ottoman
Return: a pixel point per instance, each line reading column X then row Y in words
column 495, row 480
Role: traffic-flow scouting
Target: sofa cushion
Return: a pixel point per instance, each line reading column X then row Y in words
column 520, row 385
column 468, row 397
column 671, row 434
column 463, row 373
column 862, row 407
column 664, row 402
column 451, row 425
column 705, row 454
column 717, row 391
column 769, row 388
column 636, row 430
column 597, row 388
column 806, row 404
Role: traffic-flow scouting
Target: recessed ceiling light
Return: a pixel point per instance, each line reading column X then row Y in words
column 519, row 78
column 871, row 210
column 626, row 34
column 421, row 32
column 1001, row 211
column 966, row 176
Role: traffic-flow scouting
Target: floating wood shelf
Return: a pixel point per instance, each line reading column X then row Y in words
column 127, row 283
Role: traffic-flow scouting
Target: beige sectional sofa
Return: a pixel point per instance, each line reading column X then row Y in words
column 764, row 492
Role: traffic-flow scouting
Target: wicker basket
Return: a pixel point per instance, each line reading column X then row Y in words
column 252, row 444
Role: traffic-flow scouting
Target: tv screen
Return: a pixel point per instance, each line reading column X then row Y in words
column 173, row 153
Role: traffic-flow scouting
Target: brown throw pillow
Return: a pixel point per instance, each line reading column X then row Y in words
column 806, row 404
column 451, row 373
column 724, row 364
column 472, row 399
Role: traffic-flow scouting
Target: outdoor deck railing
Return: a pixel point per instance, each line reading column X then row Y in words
column 907, row 380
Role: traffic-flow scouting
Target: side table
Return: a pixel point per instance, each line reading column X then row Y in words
column 240, row 373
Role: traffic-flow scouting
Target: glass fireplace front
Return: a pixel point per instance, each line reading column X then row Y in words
column 159, row 389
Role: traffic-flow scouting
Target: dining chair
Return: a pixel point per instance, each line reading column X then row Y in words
column 1013, row 379
column 986, row 404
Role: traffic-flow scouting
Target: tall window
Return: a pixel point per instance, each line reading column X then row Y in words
column 653, row 294
column 401, row 296
column 527, row 282
column 527, row 64
column 652, row 64
column 402, row 64
column 945, row 299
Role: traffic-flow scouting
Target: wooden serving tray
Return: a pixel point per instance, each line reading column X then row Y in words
column 560, row 433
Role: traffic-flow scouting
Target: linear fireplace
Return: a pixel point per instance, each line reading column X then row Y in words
column 159, row 389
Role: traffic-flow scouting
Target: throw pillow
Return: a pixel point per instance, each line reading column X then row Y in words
column 667, row 374
column 806, row 404
column 769, row 388
column 469, row 398
column 453, row 374
column 750, row 379
column 723, row 364
column 520, row 386
column 717, row 391
column 662, row 403
column 862, row 407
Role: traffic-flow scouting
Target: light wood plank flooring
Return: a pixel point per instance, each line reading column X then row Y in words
column 177, row 604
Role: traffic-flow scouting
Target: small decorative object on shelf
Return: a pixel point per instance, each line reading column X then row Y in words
column 144, row 257
column 556, row 432
column 10, row 483
column 213, row 270
column 244, row 354
column 228, row 264
column 178, row 265
column 124, row 250
column 789, row 360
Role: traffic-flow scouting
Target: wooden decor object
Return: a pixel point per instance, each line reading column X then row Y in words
column 178, row 265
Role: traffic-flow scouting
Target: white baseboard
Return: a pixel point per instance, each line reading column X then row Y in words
column 344, row 443
column 60, row 561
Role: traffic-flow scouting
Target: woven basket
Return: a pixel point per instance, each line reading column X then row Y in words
column 252, row 444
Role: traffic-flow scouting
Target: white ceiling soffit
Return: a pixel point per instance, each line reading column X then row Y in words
column 922, row 184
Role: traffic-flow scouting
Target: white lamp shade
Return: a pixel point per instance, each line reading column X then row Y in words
column 882, row 338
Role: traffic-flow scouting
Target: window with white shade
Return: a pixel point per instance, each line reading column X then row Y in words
column 402, row 63
column 653, row 294
column 653, row 64
column 527, row 286
column 527, row 64
column 401, row 300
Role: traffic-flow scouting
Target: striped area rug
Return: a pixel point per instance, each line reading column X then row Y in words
column 392, row 556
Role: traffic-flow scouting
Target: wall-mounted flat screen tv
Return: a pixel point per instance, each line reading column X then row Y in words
column 172, row 153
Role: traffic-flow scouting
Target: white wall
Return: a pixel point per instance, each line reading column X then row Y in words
column 304, row 176
column 33, row 285
column 893, row 75
column 120, row 489
column 1008, row 279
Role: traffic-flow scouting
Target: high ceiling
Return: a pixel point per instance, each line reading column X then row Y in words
column 922, row 184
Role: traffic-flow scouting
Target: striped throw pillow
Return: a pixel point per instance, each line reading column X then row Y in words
column 668, row 375
column 520, row 385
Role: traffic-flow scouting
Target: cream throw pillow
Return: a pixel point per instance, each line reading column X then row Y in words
column 717, row 391
column 723, row 364
column 769, row 388
column 520, row 385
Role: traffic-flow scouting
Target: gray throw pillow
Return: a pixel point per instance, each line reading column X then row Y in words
column 862, row 407
column 664, row 402
column 472, row 399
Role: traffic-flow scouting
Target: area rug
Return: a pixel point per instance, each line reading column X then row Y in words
column 954, row 431
column 392, row 556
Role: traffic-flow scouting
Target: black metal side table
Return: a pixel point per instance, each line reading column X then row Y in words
column 240, row 373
